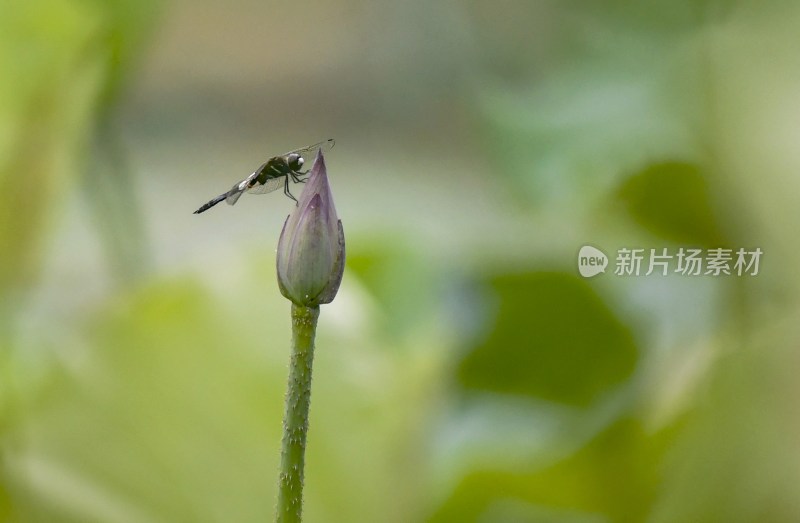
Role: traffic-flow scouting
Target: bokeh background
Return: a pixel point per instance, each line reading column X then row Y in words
column 465, row 372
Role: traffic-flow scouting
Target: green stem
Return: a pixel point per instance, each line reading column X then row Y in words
column 295, row 419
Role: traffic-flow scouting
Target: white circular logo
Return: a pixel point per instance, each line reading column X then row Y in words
column 591, row 261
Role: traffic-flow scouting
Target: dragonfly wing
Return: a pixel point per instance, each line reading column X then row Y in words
column 233, row 196
column 236, row 191
column 324, row 145
column 270, row 185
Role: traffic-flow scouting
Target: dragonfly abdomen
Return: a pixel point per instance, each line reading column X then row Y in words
column 210, row 204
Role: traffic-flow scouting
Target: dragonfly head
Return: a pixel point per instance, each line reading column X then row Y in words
column 295, row 161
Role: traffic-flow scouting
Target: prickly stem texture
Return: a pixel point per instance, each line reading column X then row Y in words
column 295, row 419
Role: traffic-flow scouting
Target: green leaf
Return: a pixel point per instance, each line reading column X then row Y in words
column 615, row 475
column 553, row 338
column 672, row 200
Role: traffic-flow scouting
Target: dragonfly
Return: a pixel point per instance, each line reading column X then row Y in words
column 273, row 173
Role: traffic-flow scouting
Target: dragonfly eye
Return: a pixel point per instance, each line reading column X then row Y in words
column 295, row 161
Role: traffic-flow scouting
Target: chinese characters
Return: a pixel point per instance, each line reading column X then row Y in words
column 688, row 262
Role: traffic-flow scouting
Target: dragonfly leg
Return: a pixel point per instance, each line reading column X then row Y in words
column 286, row 190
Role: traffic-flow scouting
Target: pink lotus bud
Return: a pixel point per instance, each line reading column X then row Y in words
column 310, row 256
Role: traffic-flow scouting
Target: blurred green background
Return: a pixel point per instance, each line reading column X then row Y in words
column 465, row 372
